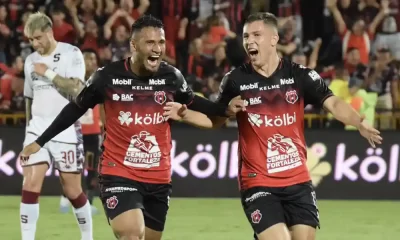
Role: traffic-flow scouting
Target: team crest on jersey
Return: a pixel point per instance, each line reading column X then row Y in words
column 160, row 97
column 112, row 202
column 256, row 216
column 291, row 96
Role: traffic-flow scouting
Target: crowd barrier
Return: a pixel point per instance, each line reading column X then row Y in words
column 204, row 164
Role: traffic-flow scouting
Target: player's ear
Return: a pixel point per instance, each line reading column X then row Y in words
column 133, row 45
column 274, row 39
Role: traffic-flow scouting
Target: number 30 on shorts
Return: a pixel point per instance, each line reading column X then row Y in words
column 68, row 156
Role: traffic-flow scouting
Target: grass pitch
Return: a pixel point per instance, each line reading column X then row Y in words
column 216, row 219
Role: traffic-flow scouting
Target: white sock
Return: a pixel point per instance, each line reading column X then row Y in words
column 29, row 214
column 84, row 217
column 64, row 202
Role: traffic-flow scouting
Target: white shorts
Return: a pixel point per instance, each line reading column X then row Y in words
column 67, row 157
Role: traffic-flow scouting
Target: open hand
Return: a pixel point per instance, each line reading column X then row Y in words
column 29, row 150
column 174, row 111
column 370, row 133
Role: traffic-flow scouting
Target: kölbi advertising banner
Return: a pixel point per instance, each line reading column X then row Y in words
column 205, row 164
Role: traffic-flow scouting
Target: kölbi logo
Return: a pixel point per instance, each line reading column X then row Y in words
column 4, row 159
column 355, row 167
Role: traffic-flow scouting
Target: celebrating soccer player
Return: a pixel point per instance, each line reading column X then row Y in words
column 54, row 73
column 277, row 194
column 135, row 166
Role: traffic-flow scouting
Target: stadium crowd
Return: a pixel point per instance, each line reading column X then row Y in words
column 353, row 44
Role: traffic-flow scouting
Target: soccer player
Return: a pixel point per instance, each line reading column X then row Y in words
column 135, row 166
column 276, row 190
column 91, row 130
column 53, row 74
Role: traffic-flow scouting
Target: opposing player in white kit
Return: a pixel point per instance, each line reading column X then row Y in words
column 53, row 74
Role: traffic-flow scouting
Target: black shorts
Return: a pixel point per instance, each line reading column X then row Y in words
column 119, row 195
column 267, row 206
column 91, row 146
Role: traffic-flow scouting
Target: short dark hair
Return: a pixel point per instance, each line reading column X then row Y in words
column 266, row 17
column 146, row 21
column 89, row 50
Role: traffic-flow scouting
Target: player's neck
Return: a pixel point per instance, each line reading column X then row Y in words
column 53, row 45
column 269, row 67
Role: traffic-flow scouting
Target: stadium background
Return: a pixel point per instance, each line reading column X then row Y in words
column 203, row 40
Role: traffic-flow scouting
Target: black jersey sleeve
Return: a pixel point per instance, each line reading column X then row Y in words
column 314, row 88
column 227, row 90
column 183, row 94
column 94, row 91
column 68, row 116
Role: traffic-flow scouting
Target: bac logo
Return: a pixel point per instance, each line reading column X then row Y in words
column 252, row 101
column 127, row 97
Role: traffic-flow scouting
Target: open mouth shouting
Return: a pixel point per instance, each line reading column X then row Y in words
column 153, row 60
column 252, row 52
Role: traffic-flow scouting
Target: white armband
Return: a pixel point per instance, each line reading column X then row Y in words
column 50, row 74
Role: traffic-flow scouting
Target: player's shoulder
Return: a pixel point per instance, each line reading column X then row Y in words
column 244, row 71
column 288, row 65
column 169, row 73
column 166, row 68
column 66, row 47
column 114, row 68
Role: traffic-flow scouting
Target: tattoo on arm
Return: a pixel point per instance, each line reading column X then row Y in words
column 28, row 107
column 68, row 86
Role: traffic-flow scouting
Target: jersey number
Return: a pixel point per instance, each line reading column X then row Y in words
column 68, row 157
column 56, row 57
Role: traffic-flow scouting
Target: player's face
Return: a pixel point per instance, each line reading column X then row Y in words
column 90, row 62
column 149, row 47
column 40, row 41
column 259, row 41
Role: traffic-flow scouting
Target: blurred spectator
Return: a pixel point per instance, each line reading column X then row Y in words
column 17, row 99
column 63, row 31
column 359, row 35
column 198, row 62
column 22, row 45
column 288, row 41
column 214, row 34
column 91, row 37
column 5, row 33
column 389, row 37
column 383, row 79
column 300, row 57
column 288, row 10
column 9, row 84
column 119, row 45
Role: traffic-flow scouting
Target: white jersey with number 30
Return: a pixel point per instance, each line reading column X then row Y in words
column 67, row 61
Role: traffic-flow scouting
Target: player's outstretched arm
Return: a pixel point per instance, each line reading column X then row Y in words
column 345, row 113
column 316, row 92
column 67, row 117
column 180, row 112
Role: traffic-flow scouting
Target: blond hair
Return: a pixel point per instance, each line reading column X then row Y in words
column 37, row 21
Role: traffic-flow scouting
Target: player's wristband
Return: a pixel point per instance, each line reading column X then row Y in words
column 50, row 74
